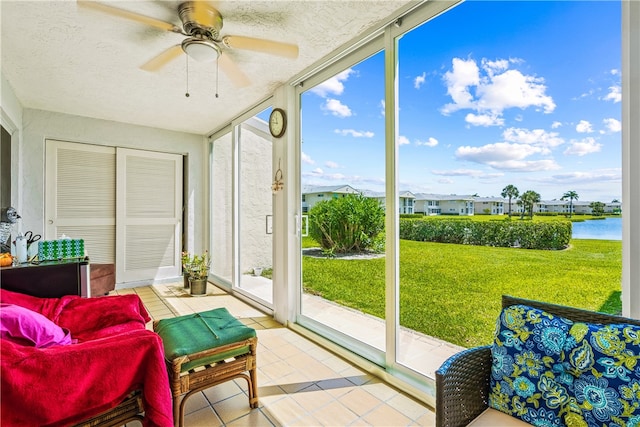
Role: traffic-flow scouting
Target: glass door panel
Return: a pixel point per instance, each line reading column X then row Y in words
column 525, row 106
column 343, row 199
column 222, row 208
column 255, row 207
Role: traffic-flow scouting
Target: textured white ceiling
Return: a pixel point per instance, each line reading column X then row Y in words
column 62, row 58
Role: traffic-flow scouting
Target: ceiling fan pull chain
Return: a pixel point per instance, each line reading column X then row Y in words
column 187, row 93
column 217, row 74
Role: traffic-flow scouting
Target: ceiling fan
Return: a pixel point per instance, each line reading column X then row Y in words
column 201, row 25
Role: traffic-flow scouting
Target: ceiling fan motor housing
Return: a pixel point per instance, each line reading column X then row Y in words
column 200, row 19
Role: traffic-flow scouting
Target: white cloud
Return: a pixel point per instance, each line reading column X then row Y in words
column 556, row 125
column 485, row 120
column 382, row 107
column 337, row 108
column 419, row 80
column 612, row 125
column 615, row 72
column 445, row 181
column 463, row 75
column 497, row 89
column 458, row 172
column 583, row 177
column 584, row 127
column 331, row 165
column 535, row 137
column 506, row 156
column 584, row 147
column 355, row 133
column 307, row 159
column 492, row 67
column 317, row 171
column 615, row 94
column 334, row 85
column 500, row 151
column 431, row 142
column 403, row 140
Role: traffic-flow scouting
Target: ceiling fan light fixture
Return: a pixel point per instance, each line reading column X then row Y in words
column 200, row 49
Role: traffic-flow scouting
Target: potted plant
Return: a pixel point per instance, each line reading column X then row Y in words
column 186, row 265
column 199, row 273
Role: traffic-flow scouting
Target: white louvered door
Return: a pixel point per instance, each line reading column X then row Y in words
column 148, row 215
column 80, row 197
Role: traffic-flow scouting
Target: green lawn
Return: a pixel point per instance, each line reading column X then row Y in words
column 453, row 291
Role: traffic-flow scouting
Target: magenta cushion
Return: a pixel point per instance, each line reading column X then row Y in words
column 27, row 327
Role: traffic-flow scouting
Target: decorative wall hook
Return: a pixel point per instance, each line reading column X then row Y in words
column 278, row 180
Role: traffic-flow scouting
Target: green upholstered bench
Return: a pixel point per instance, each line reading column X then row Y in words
column 206, row 349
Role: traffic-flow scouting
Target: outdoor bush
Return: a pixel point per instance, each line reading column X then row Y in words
column 348, row 224
column 527, row 235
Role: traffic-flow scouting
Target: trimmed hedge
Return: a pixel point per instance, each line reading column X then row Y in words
column 523, row 234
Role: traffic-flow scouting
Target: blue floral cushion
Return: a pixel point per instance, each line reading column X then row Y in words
column 528, row 378
column 604, row 360
column 549, row 371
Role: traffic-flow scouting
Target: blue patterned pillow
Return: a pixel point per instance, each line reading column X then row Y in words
column 529, row 378
column 605, row 361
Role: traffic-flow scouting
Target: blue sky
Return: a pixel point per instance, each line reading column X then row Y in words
column 490, row 94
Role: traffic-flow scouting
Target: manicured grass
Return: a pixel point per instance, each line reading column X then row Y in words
column 453, row 291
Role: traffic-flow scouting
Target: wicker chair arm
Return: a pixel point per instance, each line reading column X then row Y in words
column 462, row 387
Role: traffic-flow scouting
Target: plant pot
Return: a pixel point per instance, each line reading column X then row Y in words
column 257, row 271
column 198, row 286
column 185, row 278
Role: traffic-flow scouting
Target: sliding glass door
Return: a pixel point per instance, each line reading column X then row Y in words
column 241, row 207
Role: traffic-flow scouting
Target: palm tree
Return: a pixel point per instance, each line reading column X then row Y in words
column 571, row 195
column 510, row 192
column 529, row 199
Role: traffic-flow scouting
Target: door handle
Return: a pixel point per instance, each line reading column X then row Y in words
column 50, row 221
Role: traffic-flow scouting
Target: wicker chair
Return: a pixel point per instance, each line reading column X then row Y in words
column 131, row 409
column 462, row 382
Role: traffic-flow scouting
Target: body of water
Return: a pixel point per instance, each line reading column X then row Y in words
column 603, row 229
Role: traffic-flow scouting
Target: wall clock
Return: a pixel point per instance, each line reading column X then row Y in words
column 277, row 122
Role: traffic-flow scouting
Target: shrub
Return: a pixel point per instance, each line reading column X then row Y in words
column 528, row 235
column 348, row 224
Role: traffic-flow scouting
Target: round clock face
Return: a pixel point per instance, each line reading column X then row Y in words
column 277, row 122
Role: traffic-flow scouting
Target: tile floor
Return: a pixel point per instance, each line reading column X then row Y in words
column 299, row 382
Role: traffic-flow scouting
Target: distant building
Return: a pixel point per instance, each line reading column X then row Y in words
column 450, row 204
column 440, row 204
column 313, row 195
column 405, row 203
column 490, row 205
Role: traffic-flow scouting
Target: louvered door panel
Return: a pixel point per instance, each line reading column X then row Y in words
column 149, row 214
column 81, row 196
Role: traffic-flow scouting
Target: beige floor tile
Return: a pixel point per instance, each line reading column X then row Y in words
column 224, row 391
column 380, row 390
column 337, row 386
column 427, row 420
column 385, row 415
column 253, row 419
column 195, row 402
column 360, row 402
column 335, row 414
column 233, row 408
column 204, row 417
column 285, row 411
column 407, row 406
column 312, row 398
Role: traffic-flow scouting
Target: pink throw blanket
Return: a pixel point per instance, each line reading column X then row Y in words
column 62, row 385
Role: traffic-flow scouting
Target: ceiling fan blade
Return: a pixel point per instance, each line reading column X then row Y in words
column 261, row 45
column 235, row 74
column 121, row 13
column 154, row 64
